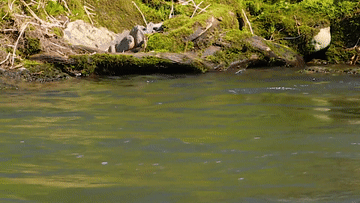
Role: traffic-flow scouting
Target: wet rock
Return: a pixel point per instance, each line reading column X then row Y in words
column 126, row 44
column 274, row 53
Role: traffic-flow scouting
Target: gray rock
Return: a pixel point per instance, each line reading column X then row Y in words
column 153, row 28
column 23, row 70
column 82, row 33
column 211, row 50
column 126, row 44
column 139, row 36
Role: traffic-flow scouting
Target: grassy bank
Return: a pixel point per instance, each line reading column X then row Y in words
column 291, row 23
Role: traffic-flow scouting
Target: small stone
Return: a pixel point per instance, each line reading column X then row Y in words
column 104, row 163
column 22, row 141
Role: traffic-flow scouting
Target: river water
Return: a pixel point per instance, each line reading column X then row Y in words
column 261, row 136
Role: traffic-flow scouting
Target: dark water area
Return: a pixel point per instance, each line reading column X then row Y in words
column 261, row 136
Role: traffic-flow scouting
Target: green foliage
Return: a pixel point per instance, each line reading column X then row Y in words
column 54, row 8
column 58, row 31
column 32, row 46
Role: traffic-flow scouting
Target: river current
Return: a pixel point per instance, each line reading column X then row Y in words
column 260, row 136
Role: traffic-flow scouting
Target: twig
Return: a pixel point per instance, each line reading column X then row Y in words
column 58, row 45
column 204, row 9
column 4, row 16
column 66, row 6
column 9, row 30
column 46, row 24
column 16, row 43
column 248, row 22
column 11, row 5
column 206, row 29
column 21, row 16
column 297, row 25
column 196, row 8
column 7, row 57
column 140, row 13
column 172, row 9
column 88, row 13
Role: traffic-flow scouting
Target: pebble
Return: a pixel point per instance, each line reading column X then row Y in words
column 240, row 178
column 22, row 141
column 104, row 163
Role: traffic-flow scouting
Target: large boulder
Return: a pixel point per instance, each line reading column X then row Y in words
column 82, row 33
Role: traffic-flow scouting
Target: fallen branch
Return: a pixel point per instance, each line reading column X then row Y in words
column 140, row 13
column 7, row 57
column 16, row 43
column 248, row 22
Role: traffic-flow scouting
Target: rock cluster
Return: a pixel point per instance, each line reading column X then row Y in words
column 84, row 34
column 133, row 40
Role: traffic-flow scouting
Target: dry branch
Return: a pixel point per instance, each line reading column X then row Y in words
column 88, row 13
column 7, row 57
column 172, row 9
column 204, row 9
column 140, row 13
column 196, row 8
column 248, row 22
column 66, row 6
column 17, row 42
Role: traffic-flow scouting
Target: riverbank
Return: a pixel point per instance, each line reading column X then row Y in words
column 221, row 36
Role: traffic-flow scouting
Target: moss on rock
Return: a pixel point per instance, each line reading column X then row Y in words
column 108, row 64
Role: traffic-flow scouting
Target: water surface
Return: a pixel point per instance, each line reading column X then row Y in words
column 262, row 136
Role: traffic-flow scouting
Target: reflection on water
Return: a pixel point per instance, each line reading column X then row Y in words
column 263, row 136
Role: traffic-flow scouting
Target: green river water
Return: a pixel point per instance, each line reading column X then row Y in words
column 262, row 136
